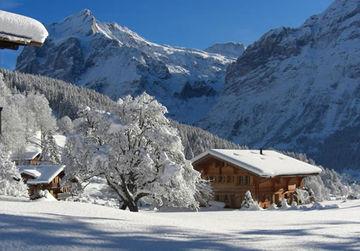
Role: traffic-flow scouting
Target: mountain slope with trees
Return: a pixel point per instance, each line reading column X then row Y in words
column 66, row 99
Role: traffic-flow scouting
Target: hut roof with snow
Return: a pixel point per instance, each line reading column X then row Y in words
column 268, row 163
column 41, row 174
column 16, row 30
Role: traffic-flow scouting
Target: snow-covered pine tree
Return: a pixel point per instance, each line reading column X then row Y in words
column 248, row 203
column 138, row 152
column 11, row 183
column 50, row 150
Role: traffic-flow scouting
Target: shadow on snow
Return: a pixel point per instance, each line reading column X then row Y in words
column 67, row 231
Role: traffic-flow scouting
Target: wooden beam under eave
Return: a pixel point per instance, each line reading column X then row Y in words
column 8, row 45
column 14, row 44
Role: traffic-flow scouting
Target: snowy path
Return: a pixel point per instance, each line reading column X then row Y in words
column 78, row 226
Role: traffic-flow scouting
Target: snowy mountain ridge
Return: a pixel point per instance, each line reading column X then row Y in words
column 230, row 49
column 116, row 61
column 298, row 89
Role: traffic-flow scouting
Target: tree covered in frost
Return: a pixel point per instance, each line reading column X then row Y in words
column 137, row 151
column 22, row 116
column 328, row 183
column 65, row 125
column 248, row 202
column 66, row 99
column 50, row 150
column 11, row 183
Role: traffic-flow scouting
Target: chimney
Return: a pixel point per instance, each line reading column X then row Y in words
column 0, row 121
column 261, row 151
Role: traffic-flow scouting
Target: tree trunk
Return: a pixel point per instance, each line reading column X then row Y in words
column 123, row 206
column 128, row 200
column 132, row 205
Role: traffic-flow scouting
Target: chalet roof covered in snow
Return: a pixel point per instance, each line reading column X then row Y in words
column 31, row 172
column 268, row 164
column 18, row 30
column 30, row 153
column 47, row 173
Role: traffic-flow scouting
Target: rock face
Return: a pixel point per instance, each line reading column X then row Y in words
column 116, row 61
column 231, row 49
column 298, row 89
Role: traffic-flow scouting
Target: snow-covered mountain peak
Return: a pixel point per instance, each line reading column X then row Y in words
column 82, row 23
column 86, row 12
column 116, row 61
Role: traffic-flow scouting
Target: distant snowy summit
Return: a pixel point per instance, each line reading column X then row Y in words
column 116, row 61
column 230, row 49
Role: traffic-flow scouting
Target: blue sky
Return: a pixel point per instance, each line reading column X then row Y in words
column 187, row 23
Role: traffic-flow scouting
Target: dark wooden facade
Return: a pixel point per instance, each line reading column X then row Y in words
column 54, row 187
column 230, row 183
column 34, row 161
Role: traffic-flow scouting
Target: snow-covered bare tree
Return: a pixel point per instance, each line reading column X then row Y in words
column 138, row 152
column 65, row 125
column 11, row 183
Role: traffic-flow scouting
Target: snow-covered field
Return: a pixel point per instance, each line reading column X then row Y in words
column 77, row 226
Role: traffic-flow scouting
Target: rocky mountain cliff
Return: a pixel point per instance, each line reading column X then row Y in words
column 298, row 89
column 116, row 61
column 230, row 49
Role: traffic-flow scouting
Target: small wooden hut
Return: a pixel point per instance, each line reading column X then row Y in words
column 43, row 177
column 269, row 175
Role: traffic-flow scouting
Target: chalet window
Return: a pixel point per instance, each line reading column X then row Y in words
column 221, row 179
column 228, row 180
column 243, row 180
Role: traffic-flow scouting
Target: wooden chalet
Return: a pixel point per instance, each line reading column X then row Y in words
column 269, row 175
column 17, row 30
column 43, row 177
column 37, row 173
column 27, row 158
